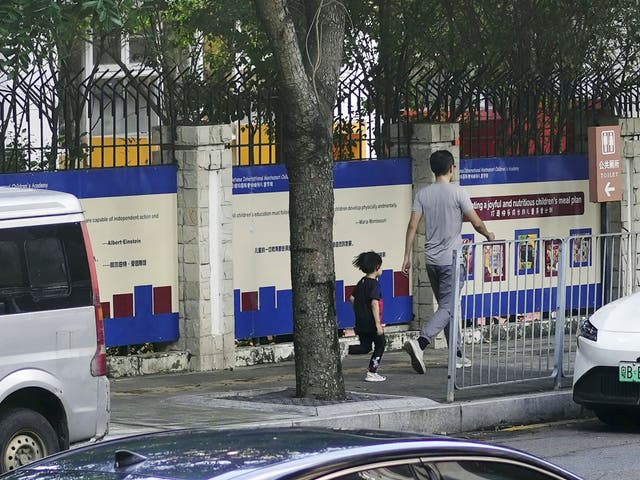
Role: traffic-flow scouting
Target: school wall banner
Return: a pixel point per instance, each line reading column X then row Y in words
column 131, row 215
column 531, row 201
column 372, row 207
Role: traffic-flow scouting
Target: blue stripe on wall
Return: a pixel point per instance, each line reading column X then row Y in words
column 547, row 168
column 100, row 182
column 142, row 328
column 505, row 304
column 277, row 318
column 371, row 173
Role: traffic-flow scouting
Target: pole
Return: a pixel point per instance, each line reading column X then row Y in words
column 563, row 263
column 630, row 260
column 453, row 327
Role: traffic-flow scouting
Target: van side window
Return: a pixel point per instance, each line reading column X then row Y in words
column 11, row 274
column 46, row 266
column 43, row 267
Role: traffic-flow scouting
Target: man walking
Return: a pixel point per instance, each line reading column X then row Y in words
column 444, row 206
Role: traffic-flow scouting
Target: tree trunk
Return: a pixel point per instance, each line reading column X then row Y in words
column 308, row 64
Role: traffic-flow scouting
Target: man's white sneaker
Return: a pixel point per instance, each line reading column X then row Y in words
column 374, row 377
column 462, row 362
column 412, row 347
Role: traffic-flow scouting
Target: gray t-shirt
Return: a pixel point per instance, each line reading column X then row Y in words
column 443, row 206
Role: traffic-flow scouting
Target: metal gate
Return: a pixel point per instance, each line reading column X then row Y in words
column 522, row 300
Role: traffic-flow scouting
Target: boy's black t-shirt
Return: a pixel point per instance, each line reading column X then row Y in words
column 366, row 290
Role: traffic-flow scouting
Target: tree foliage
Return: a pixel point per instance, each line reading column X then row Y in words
column 37, row 30
column 492, row 42
column 441, row 58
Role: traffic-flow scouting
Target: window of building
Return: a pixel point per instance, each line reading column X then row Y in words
column 111, row 49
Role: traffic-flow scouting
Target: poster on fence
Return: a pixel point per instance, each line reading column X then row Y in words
column 131, row 215
column 531, row 204
column 525, row 199
column 551, row 257
column 527, row 250
column 372, row 205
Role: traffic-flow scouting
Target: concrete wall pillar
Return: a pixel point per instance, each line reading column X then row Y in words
column 205, row 235
column 630, row 209
column 424, row 139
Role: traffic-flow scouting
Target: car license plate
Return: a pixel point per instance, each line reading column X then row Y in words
column 629, row 372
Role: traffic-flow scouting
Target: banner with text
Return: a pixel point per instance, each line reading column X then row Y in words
column 372, row 208
column 131, row 214
column 529, row 202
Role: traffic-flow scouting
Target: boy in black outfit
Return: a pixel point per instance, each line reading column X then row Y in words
column 367, row 305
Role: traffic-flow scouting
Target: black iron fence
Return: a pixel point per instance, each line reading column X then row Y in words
column 52, row 120
column 109, row 118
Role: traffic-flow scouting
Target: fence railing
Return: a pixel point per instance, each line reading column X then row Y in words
column 522, row 300
column 94, row 118
column 50, row 120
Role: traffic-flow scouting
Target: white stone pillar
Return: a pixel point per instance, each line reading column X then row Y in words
column 205, row 268
column 630, row 209
column 424, row 139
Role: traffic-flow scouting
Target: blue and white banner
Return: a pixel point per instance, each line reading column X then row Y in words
column 131, row 215
column 372, row 208
column 513, row 170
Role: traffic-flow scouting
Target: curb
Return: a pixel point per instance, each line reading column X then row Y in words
column 368, row 402
column 447, row 419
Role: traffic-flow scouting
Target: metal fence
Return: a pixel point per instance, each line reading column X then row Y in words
column 522, row 301
column 50, row 120
column 107, row 117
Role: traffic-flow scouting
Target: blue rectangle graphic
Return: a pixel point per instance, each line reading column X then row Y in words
column 547, row 168
column 274, row 316
column 371, row 173
column 100, row 182
column 141, row 329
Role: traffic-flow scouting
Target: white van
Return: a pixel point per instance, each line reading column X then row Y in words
column 53, row 385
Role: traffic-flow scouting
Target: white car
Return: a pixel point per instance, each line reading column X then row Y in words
column 606, row 376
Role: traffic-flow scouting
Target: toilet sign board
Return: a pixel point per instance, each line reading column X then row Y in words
column 605, row 164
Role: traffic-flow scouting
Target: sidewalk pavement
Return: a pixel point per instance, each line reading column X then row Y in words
column 264, row 395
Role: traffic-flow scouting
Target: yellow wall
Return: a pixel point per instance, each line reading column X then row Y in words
column 122, row 152
column 264, row 149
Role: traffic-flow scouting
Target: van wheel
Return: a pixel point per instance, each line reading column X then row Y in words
column 25, row 436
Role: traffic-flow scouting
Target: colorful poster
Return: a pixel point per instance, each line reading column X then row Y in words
column 551, row 257
column 494, row 262
column 530, row 202
column 131, row 215
column 522, row 198
column 468, row 252
column 526, row 250
column 580, row 247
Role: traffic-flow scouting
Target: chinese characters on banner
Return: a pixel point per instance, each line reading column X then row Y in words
column 532, row 202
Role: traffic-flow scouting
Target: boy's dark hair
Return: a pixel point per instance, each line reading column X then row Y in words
column 368, row 262
column 441, row 162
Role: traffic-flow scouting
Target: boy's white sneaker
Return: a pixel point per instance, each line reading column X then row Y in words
column 374, row 377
